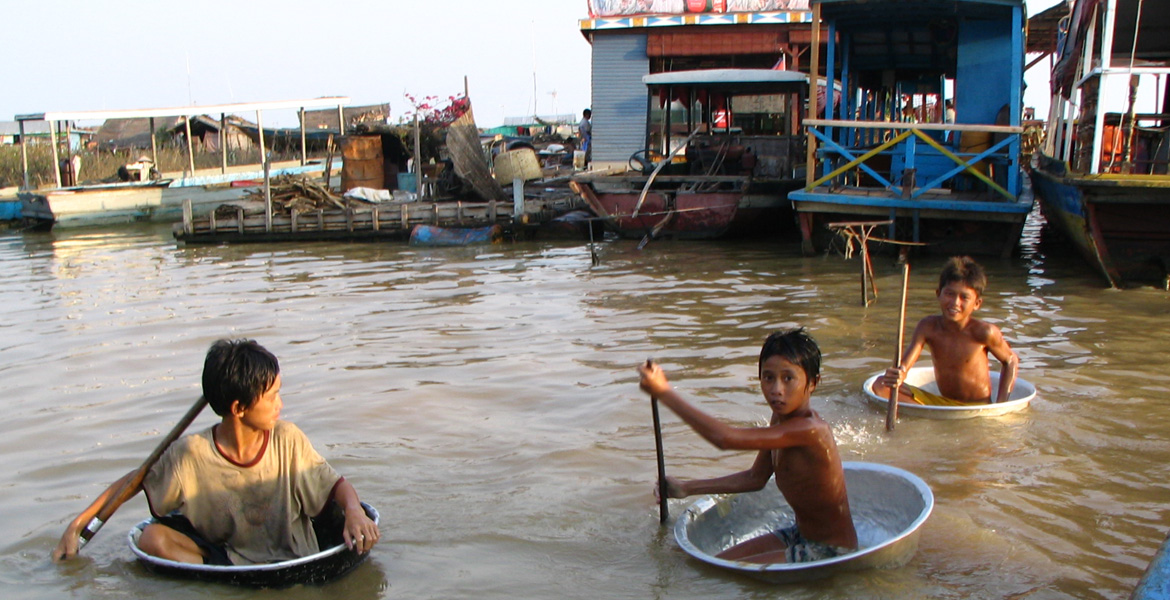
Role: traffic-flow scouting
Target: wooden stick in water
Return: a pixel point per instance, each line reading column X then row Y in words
column 131, row 486
column 892, row 408
column 663, row 507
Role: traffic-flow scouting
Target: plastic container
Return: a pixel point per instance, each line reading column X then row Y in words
column 407, row 182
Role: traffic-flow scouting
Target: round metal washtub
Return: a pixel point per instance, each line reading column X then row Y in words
column 328, row 564
column 888, row 504
column 923, row 377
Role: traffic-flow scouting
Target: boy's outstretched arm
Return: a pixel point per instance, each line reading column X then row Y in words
column 71, row 540
column 360, row 532
column 750, row 480
column 1000, row 349
column 894, row 376
column 720, row 434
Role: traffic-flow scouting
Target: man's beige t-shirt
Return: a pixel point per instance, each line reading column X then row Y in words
column 259, row 512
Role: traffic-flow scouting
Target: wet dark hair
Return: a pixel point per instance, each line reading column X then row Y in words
column 797, row 347
column 964, row 270
column 237, row 370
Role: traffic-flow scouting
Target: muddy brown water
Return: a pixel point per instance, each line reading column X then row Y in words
column 485, row 400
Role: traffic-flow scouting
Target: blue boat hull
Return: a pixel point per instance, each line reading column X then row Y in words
column 1120, row 225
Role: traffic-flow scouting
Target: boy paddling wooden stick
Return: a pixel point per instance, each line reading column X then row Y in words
column 797, row 447
column 959, row 345
column 242, row 492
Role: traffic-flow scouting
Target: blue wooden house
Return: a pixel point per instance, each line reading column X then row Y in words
column 923, row 145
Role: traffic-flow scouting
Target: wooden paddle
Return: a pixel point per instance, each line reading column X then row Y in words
column 892, row 407
column 130, row 486
column 663, row 508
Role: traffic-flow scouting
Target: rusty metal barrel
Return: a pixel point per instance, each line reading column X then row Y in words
column 362, row 162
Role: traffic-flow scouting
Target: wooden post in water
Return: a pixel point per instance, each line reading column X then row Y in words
column 190, row 146
column 188, row 218
column 223, row 143
column 304, row 143
column 814, row 82
column 56, row 156
column 267, row 180
column 23, row 156
column 418, row 177
column 153, row 147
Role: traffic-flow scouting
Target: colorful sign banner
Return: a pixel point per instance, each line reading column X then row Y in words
column 617, row 8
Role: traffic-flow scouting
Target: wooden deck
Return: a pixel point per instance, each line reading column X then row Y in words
column 387, row 221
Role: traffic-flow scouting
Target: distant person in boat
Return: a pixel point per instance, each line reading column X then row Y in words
column 243, row 491
column 585, row 132
column 797, row 447
column 959, row 344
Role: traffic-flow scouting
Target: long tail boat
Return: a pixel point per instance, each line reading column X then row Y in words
column 722, row 152
column 1101, row 177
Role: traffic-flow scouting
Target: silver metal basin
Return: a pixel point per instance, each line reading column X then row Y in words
column 923, row 377
column 888, row 506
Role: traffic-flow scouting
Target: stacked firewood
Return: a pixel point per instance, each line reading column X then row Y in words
column 290, row 192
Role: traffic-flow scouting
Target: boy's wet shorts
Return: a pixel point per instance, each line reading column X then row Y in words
column 212, row 553
column 801, row 550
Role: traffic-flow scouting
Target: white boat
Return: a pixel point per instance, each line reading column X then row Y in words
column 923, row 377
column 152, row 199
column 888, row 504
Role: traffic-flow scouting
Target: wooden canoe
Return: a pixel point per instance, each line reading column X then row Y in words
column 333, row 561
column 923, row 377
column 889, row 505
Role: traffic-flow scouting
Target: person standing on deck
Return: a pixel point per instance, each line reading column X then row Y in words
column 585, row 132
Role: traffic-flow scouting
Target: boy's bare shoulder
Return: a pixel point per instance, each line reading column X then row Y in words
column 982, row 331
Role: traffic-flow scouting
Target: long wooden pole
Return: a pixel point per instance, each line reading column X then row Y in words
column 130, row 487
column 892, row 408
column 663, row 506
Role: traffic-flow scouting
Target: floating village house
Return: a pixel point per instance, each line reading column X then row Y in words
column 39, row 133
column 634, row 39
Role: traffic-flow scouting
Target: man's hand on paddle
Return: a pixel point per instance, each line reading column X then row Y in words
column 653, row 379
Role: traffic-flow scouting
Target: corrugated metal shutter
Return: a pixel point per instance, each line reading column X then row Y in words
column 619, row 96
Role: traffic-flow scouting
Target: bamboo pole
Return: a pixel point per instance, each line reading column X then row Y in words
column 304, row 149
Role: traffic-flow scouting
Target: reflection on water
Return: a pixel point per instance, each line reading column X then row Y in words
column 484, row 399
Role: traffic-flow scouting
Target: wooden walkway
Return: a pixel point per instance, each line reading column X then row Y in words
column 384, row 221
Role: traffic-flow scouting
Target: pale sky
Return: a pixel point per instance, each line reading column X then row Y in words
column 105, row 55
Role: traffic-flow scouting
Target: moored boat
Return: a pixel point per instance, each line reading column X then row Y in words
column 722, row 153
column 923, row 377
column 99, row 204
column 144, row 195
column 1102, row 175
column 889, row 506
column 333, row 561
column 925, row 138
